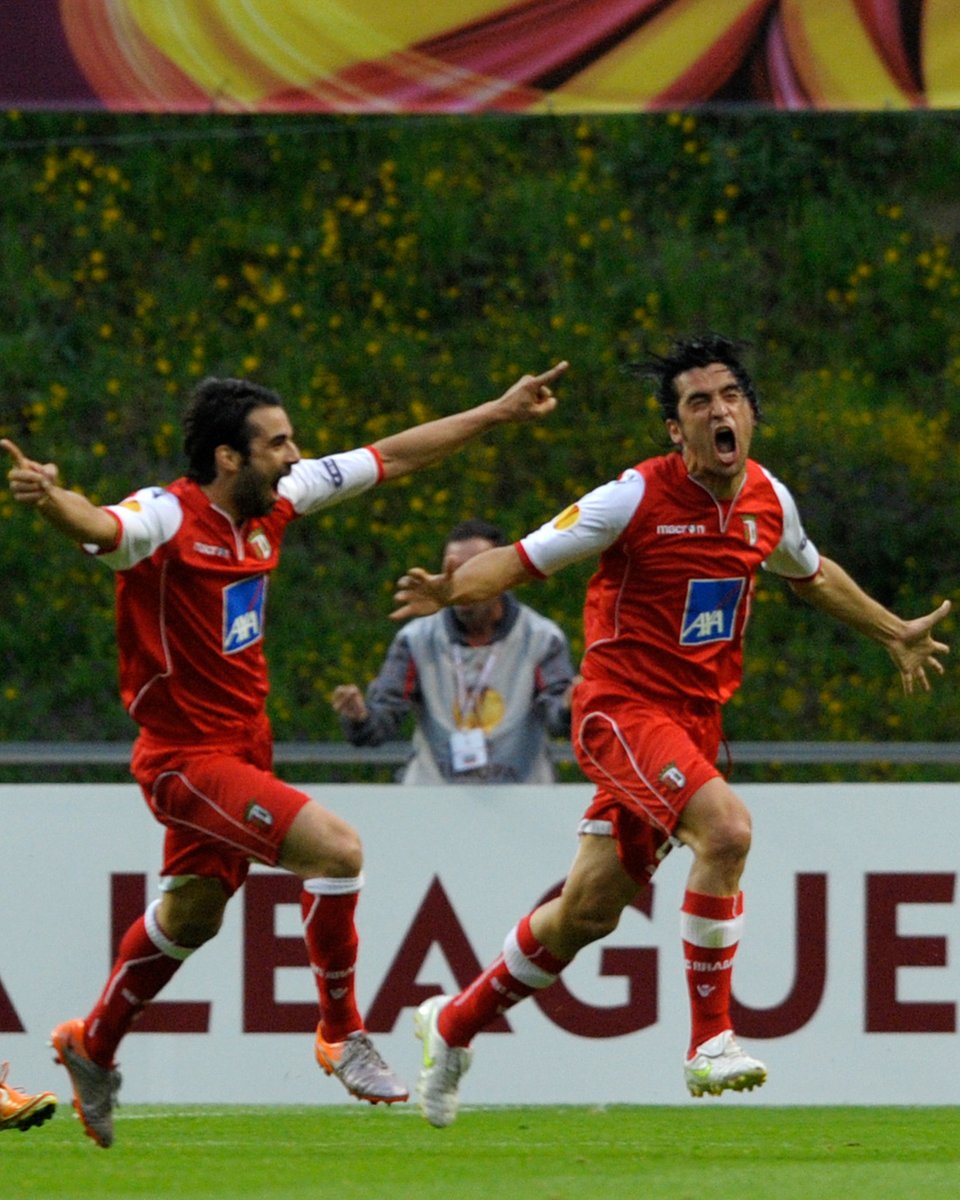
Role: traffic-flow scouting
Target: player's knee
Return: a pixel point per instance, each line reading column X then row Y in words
column 190, row 921
column 728, row 838
column 322, row 844
column 197, row 930
column 716, row 825
column 346, row 853
column 338, row 855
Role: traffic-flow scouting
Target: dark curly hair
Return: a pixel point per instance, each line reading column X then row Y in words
column 217, row 416
column 683, row 355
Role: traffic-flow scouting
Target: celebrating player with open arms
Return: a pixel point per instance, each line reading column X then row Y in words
column 680, row 539
column 192, row 562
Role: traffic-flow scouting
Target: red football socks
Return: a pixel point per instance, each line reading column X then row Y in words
column 524, row 967
column 328, row 907
column 710, row 927
column 146, row 961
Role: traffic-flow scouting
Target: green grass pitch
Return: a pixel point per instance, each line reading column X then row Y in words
column 355, row 1152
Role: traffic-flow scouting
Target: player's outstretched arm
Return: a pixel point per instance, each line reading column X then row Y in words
column 909, row 643
column 37, row 485
column 529, row 399
column 481, row 577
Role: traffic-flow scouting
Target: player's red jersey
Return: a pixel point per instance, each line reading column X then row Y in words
column 190, row 622
column 666, row 609
column 191, row 599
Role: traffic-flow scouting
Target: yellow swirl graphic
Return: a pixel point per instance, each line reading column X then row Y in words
column 536, row 55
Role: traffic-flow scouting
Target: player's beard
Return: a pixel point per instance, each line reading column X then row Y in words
column 253, row 496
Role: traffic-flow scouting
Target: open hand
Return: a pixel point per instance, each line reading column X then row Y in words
column 915, row 651
column 419, row 594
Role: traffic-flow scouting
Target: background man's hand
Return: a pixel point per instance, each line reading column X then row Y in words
column 348, row 702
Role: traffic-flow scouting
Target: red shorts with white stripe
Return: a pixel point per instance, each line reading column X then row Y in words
column 647, row 761
column 221, row 805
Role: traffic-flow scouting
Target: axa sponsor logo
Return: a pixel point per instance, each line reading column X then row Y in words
column 243, row 630
column 705, row 627
column 244, row 605
column 688, row 528
column 710, row 613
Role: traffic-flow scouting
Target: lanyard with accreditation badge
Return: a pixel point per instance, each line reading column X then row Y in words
column 468, row 747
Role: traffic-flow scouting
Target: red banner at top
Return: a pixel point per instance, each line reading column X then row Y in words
column 446, row 56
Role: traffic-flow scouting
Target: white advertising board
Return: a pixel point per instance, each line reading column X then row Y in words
column 847, row 981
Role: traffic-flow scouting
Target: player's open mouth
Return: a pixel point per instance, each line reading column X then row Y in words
column 725, row 444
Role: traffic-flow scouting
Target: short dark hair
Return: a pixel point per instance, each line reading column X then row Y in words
column 217, row 415
column 476, row 527
column 686, row 353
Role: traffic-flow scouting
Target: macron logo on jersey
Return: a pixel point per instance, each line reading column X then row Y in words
column 243, row 608
column 669, row 529
column 710, row 613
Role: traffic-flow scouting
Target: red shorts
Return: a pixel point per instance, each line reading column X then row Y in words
column 647, row 761
column 222, row 806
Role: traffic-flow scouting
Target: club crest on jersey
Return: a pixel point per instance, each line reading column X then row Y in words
column 255, row 814
column 244, row 604
column 259, row 543
column 750, row 529
column 710, row 614
column 673, row 777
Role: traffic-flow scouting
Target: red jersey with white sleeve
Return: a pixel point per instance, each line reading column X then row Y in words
column 191, row 597
column 666, row 610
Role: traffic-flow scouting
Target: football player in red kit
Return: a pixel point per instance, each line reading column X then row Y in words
column 193, row 562
column 680, row 539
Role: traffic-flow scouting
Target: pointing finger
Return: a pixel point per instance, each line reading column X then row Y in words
column 18, row 456
column 549, row 377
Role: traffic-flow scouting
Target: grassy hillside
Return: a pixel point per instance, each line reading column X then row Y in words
column 380, row 272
